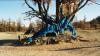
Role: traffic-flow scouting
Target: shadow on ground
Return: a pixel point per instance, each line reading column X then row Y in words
column 78, row 48
column 8, row 42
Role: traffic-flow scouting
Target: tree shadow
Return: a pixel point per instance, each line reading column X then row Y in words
column 8, row 42
column 82, row 40
column 78, row 48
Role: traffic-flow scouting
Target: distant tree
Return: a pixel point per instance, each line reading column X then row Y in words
column 19, row 25
column 13, row 27
column 98, row 19
column 9, row 25
column 95, row 22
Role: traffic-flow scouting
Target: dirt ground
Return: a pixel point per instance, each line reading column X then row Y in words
column 76, row 48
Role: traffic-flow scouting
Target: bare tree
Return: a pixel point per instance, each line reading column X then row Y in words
column 9, row 25
column 64, row 8
column 42, row 12
column 19, row 25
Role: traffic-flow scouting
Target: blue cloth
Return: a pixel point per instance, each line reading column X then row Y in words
column 64, row 23
column 29, row 39
column 49, row 28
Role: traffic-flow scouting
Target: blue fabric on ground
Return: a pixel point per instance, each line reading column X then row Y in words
column 29, row 39
column 49, row 28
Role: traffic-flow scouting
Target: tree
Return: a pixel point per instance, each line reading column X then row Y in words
column 13, row 27
column 19, row 25
column 65, row 13
column 9, row 25
column 95, row 22
column 98, row 19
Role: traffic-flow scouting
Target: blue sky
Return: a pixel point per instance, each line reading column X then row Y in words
column 89, row 11
column 14, row 9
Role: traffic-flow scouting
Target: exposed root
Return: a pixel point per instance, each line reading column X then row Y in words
column 52, row 40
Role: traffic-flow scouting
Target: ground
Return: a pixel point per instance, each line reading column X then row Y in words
column 76, row 48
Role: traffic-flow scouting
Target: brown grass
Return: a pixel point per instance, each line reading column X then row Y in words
column 76, row 48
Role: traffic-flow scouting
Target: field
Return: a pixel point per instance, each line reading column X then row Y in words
column 89, row 46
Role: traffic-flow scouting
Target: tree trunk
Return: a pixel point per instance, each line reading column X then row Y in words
column 57, row 10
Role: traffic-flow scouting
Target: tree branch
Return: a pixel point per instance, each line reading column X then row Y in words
column 44, row 6
column 80, row 6
column 29, row 6
column 94, row 2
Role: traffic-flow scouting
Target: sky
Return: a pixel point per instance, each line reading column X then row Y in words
column 14, row 10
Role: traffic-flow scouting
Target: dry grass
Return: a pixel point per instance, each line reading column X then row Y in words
column 76, row 48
